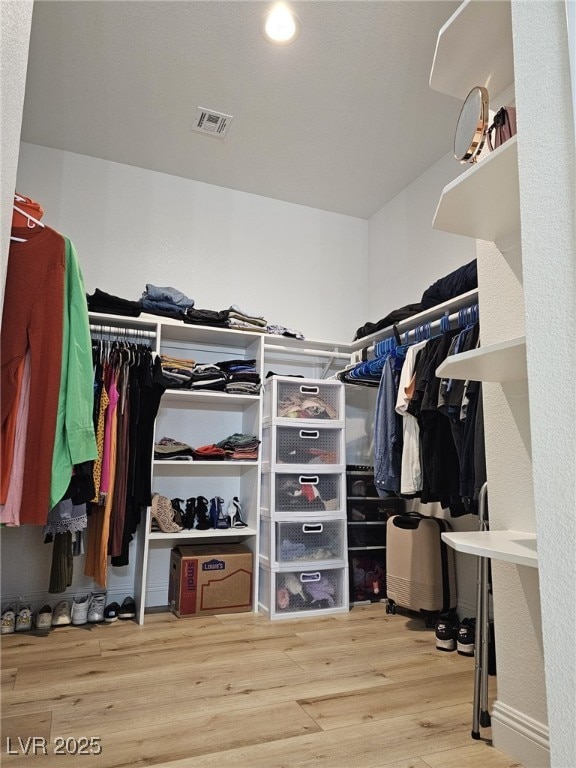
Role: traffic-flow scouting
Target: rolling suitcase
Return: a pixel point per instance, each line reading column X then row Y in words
column 420, row 572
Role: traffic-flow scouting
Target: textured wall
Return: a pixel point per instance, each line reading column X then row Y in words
column 548, row 201
column 15, row 22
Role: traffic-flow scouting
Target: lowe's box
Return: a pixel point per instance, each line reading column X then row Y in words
column 209, row 579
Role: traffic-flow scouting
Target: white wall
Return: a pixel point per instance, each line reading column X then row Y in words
column 15, row 24
column 298, row 266
column 405, row 254
column 547, row 168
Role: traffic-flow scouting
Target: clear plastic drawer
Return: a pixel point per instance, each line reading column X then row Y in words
column 303, row 493
column 308, row 540
column 294, row 593
column 302, row 444
column 310, row 399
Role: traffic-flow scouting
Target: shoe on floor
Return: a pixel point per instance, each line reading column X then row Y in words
column 61, row 614
column 466, row 638
column 446, row 629
column 23, row 618
column 111, row 613
column 80, row 606
column 127, row 609
column 8, row 620
column 44, row 617
column 96, row 607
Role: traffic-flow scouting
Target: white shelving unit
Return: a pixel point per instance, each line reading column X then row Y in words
column 501, row 362
column 511, row 546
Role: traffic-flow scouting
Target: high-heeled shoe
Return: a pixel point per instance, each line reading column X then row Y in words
column 217, row 516
column 202, row 513
column 179, row 514
column 190, row 514
column 235, row 514
column 163, row 514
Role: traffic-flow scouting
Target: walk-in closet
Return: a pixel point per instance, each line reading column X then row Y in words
column 288, row 290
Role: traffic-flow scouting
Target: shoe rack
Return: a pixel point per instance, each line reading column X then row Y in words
column 367, row 514
column 302, row 558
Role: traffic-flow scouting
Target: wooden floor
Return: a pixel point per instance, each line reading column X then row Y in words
column 359, row 690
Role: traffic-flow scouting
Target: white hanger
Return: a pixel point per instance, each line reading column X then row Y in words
column 27, row 216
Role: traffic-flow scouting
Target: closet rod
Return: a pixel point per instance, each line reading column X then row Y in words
column 427, row 316
column 117, row 331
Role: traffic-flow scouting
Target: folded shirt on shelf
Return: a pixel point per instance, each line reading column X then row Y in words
column 167, row 449
column 108, row 304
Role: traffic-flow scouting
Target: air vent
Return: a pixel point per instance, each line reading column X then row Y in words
column 209, row 121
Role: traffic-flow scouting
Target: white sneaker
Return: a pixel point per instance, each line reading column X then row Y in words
column 8, row 620
column 44, row 617
column 23, row 618
column 80, row 607
column 61, row 614
column 96, row 607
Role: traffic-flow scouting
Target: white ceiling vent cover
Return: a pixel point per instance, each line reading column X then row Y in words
column 209, row 121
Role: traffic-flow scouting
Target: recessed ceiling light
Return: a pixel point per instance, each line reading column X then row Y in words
column 281, row 25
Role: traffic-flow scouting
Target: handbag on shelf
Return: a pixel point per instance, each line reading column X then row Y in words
column 503, row 127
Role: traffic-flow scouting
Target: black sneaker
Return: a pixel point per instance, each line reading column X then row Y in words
column 127, row 609
column 111, row 613
column 466, row 638
column 446, row 630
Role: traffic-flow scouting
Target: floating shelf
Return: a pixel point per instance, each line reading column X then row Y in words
column 474, row 47
column 501, row 362
column 511, row 546
column 484, row 202
column 209, row 468
column 194, row 535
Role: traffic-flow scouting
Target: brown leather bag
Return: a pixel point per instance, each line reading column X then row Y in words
column 503, row 126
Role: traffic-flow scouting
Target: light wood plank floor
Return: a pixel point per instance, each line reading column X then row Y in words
column 358, row 689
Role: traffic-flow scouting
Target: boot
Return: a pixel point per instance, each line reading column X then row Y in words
column 202, row 513
column 190, row 514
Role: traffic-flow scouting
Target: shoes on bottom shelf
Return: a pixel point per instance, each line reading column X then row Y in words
column 44, row 617
column 61, row 614
column 80, row 608
column 8, row 620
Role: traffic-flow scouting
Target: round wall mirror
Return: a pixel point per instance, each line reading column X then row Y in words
column 472, row 124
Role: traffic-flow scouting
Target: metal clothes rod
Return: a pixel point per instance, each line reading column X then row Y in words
column 118, row 331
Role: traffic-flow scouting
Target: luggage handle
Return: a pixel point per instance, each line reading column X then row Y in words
column 312, row 528
column 409, row 521
column 309, row 434
column 309, row 577
column 308, row 479
column 309, row 390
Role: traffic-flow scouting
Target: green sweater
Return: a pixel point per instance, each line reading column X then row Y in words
column 74, row 441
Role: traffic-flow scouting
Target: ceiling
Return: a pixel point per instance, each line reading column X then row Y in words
column 341, row 120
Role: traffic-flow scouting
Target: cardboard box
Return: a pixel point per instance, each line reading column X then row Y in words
column 209, row 579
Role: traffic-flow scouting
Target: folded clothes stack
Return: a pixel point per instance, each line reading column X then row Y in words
column 168, row 449
column 241, row 320
column 165, row 301
column 242, row 378
column 208, row 376
column 177, row 371
column 240, row 447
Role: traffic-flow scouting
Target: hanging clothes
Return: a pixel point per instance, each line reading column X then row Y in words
column 33, row 321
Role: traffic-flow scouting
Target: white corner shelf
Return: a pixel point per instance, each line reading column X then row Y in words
column 511, row 546
column 484, row 201
column 501, row 362
column 474, row 47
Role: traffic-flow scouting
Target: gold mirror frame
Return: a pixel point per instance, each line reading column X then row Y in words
column 471, row 126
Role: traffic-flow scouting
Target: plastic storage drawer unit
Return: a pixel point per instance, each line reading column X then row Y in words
column 308, row 492
column 310, row 399
column 294, row 593
column 313, row 541
column 366, row 535
column 302, row 444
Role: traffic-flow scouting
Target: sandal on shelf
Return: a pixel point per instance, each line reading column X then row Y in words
column 217, row 516
column 163, row 514
column 190, row 514
column 179, row 514
column 235, row 514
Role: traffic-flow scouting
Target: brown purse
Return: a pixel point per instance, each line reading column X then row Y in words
column 503, row 126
